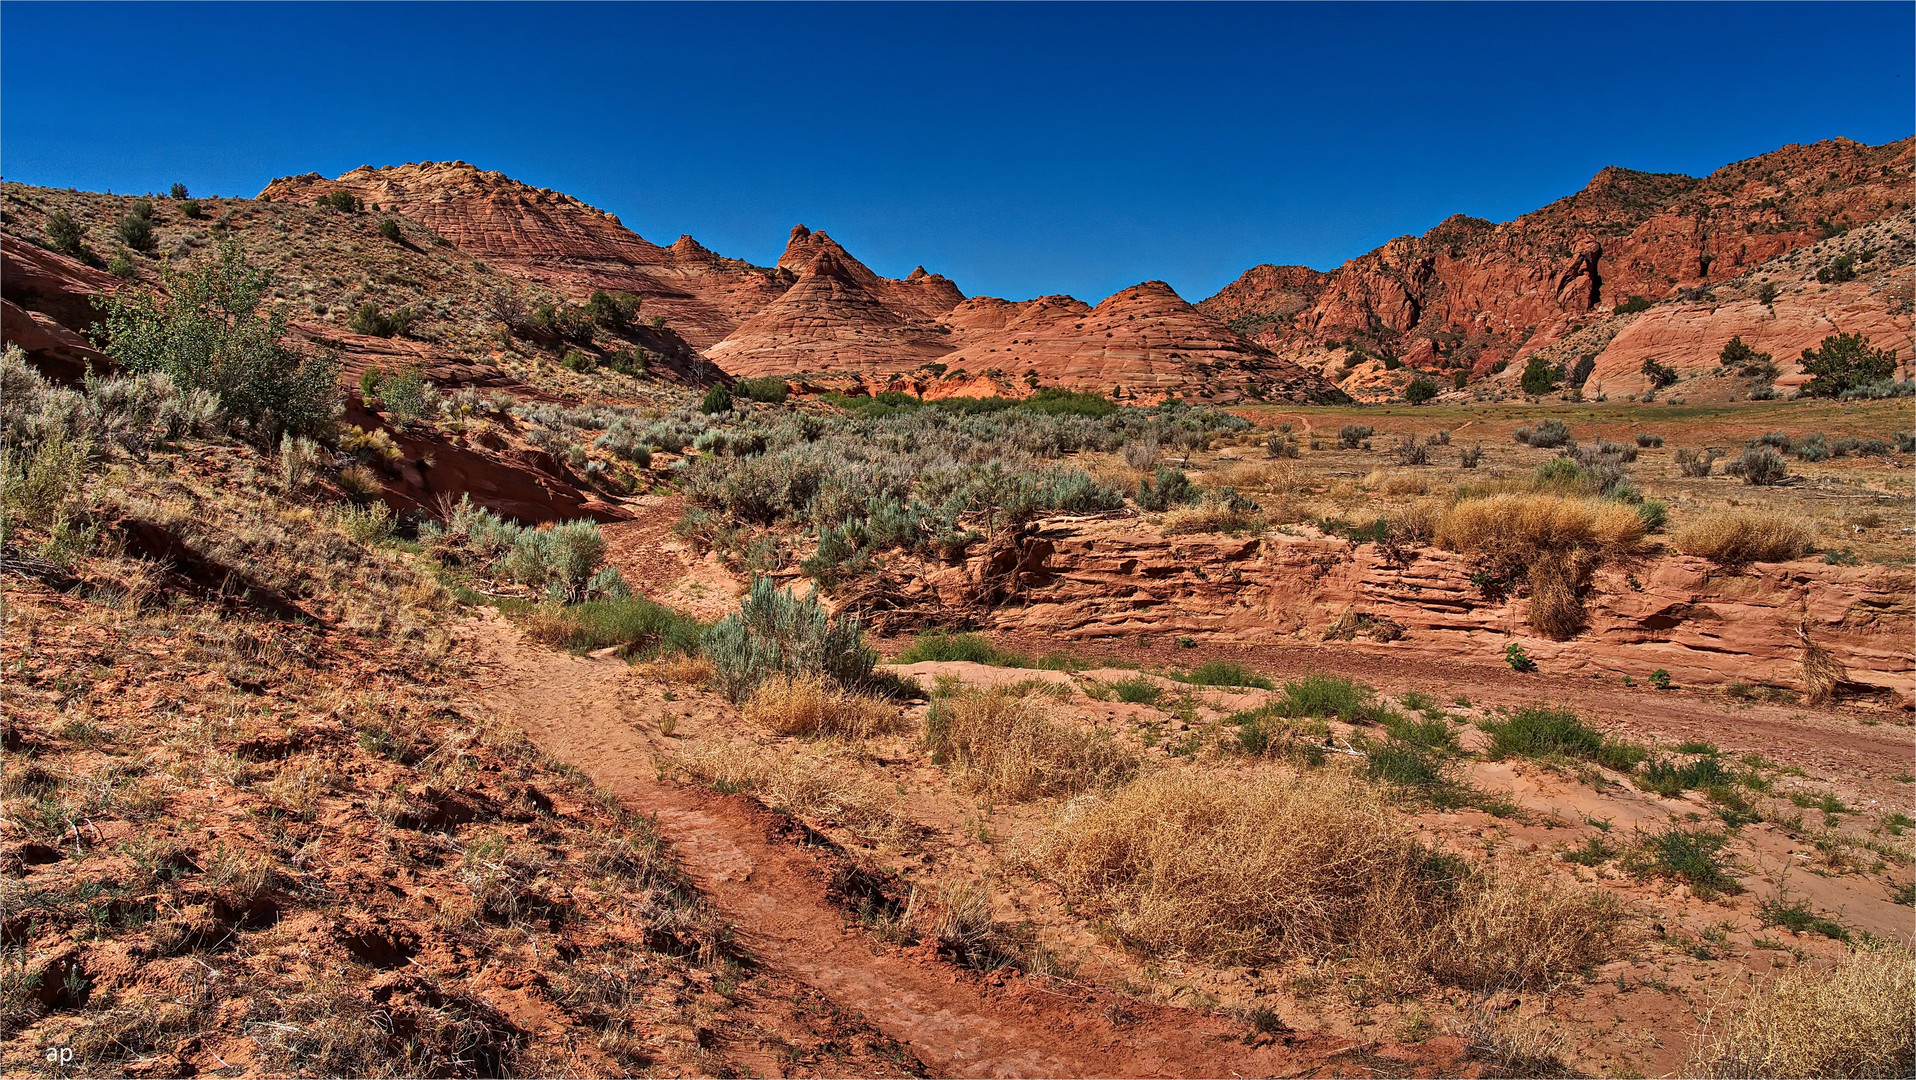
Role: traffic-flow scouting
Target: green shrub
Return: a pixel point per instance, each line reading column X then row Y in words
column 208, row 334
column 1351, row 436
column 1631, row 306
column 716, row 400
column 1661, row 375
column 192, row 209
column 574, row 360
column 1549, row 435
column 1138, row 690
column 136, row 232
column 627, row 361
column 562, row 561
column 1225, row 673
column 1539, row 376
column 389, row 229
column 1332, row 696
column 944, row 646
column 613, row 311
column 1056, row 401
column 178, row 191
column 1759, row 466
column 1420, row 390
column 64, row 234
column 1660, row 679
column 769, row 389
column 1694, row 856
column 776, row 632
column 121, row 266
column 369, row 320
column 1798, row 917
column 1647, row 440
column 1518, row 658
column 1844, row 362
column 1544, row 731
column 1168, row 488
column 637, row 626
column 406, row 395
column 341, row 200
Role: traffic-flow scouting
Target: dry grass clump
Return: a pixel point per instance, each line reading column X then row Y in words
column 1005, row 744
column 815, row 705
column 1253, row 476
column 1746, row 534
column 821, row 784
column 1211, row 516
column 1259, row 867
column 1521, row 525
column 1397, row 482
column 1857, row 1019
column 1552, row 541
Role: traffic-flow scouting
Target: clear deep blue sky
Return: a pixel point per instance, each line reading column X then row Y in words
column 1018, row 149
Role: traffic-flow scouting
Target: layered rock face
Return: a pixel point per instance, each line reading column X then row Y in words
column 1705, row 625
column 46, row 308
column 553, row 239
column 840, row 317
column 1470, row 292
column 1144, row 342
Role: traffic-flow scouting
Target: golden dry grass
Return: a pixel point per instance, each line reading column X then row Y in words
column 1520, row 525
column 1553, row 541
column 1209, row 516
column 1746, row 534
column 820, row 783
column 1253, row 476
column 1237, row 868
column 814, row 705
column 1397, row 482
column 1857, row 1019
column 1005, row 744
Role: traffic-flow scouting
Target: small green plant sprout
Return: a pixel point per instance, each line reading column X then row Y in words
column 1518, row 658
column 1660, row 679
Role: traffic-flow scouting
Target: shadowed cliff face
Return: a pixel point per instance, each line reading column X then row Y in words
column 1470, row 292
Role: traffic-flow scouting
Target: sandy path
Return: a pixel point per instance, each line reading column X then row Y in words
column 774, row 894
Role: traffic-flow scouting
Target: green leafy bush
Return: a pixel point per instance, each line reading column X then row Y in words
column 1759, row 466
column 944, row 646
column 209, row 334
column 1518, row 658
column 1169, row 487
column 64, row 234
column 192, row 210
column 369, row 320
column 776, row 632
column 1661, row 375
column 716, row 400
column 136, row 231
column 1539, row 376
column 1631, row 306
column 1845, row 362
column 389, row 229
column 1351, row 436
column 769, row 389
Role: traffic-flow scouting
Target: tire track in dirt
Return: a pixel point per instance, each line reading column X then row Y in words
column 774, row 895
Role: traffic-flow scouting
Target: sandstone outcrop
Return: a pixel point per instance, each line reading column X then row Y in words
column 1470, row 292
column 840, row 317
column 48, row 309
column 1144, row 342
column 1120, row 577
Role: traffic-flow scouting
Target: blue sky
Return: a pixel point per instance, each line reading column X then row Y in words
column 1019, row 149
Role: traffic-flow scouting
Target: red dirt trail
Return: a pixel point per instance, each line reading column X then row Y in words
column 773, row 893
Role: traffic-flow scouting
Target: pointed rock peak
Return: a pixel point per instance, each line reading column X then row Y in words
column 803, row 253
column 686, row 247
column 917, row 273
column 1149, row 291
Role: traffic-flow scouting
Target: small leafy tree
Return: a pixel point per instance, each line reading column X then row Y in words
column 1420, row 390
column 179, row 191
column 1744, row 359
column 1661, row 375
column 1538, row 376
column 136, row 231
column 1845, row 361
column 191, row 208
column 611, row 310
column 342, row 200
column 389, row 229
column 64, row 234
column 208, row 333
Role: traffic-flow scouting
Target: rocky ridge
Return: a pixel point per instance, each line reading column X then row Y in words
column 1470, row 293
